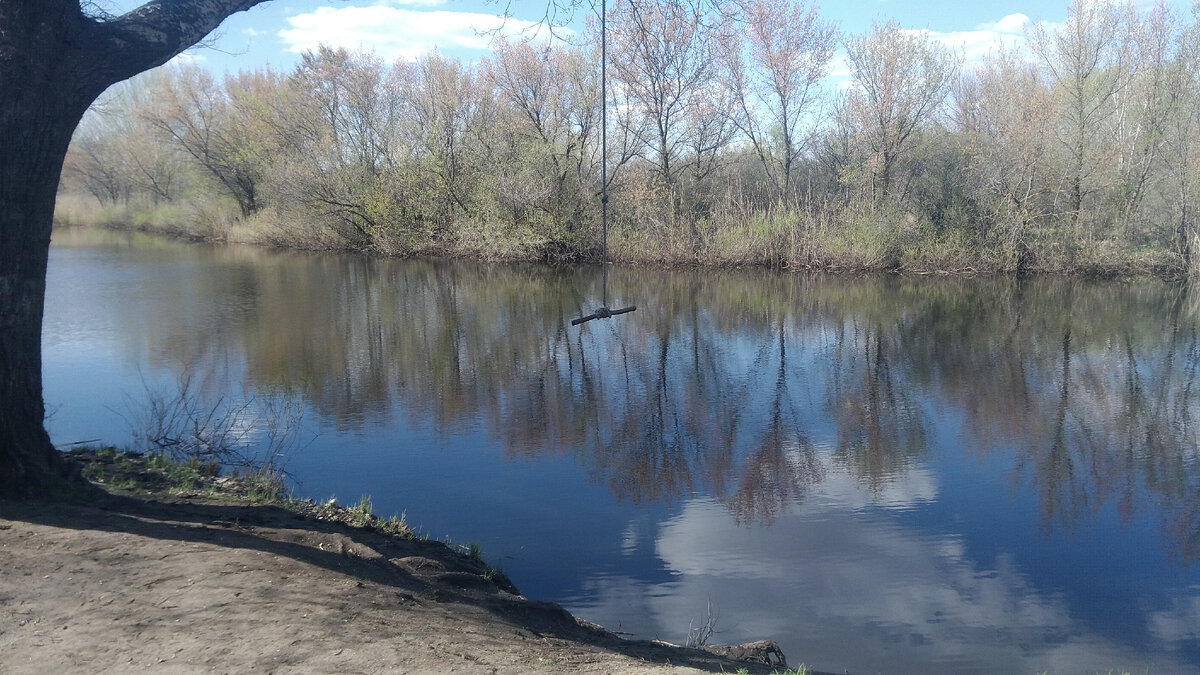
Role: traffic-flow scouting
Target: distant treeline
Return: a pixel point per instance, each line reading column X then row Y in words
column 1074, row 149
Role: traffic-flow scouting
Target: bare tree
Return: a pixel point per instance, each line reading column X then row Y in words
column 1183, row 139
column 553, row 96
column 1004, row 107
column 1156, row 95
column 901, row 79
column 356, row 116
column 116, row 154
column 445, row 101
column 338, row 121
column 155, row 168
column 663, row 62
column 204, row 119
column 790, row 47
column 94, row 163
column 1090, row 61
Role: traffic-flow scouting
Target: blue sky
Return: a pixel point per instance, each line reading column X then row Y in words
column 277, row 32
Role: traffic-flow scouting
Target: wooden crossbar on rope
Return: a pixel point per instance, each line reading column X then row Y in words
column 603, row 312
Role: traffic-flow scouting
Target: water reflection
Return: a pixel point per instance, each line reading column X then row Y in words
column 728, row 380
column 809, row 424
column 724, row 385
column 901, row 600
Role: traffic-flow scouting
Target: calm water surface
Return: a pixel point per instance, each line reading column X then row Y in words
column 883, row 474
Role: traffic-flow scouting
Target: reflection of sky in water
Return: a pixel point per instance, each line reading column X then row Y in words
column 846, row 584
column 921, row 533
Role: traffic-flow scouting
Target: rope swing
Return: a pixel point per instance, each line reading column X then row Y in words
column 603, row 312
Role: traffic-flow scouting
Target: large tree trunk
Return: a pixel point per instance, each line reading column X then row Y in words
column 54, row 62
column 27, row 459
column 41, row 108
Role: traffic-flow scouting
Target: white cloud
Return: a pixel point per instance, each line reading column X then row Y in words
column 1013, row 23
column 840, row 71
column 975, row 45
column 394, row 32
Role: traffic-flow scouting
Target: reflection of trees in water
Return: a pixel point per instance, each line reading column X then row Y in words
column 783, row 463
column 181, row 328
column 750, row 386
column 711, row 399
column 879, row 427
column 655, row 409
column 1094, row 388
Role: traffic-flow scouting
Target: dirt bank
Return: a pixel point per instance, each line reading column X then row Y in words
column 186, row 584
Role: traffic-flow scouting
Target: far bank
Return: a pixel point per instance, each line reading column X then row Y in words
column 845, row 240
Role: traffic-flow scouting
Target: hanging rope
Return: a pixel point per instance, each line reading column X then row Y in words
column 603, row 312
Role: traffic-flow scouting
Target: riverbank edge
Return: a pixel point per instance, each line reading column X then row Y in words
column 878, row 251
column 129, row 487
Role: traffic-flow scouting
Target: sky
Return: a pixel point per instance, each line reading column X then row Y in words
column 277, row 32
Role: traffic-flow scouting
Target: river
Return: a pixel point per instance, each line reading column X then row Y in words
column 883, row 473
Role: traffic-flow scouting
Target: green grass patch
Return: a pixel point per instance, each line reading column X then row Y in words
column 149, row 475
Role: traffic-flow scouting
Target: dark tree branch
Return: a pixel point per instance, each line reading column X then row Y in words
column 156, row 32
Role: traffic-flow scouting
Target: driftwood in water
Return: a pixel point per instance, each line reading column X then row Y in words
column 761, row 651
